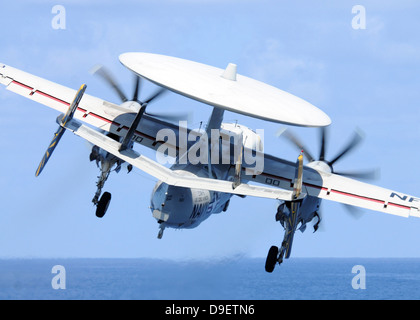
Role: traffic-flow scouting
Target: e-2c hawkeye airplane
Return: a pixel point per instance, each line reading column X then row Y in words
column 192, row 188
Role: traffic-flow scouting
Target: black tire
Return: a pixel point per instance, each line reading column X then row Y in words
column 271, row 261
column 103, row 204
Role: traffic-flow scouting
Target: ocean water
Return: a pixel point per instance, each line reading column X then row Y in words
column 236, row 279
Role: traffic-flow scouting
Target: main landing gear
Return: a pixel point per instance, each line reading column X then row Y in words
column 275, row 255
column 106, row 162
column 103, row 204
column 272, row 259
column 287, row 215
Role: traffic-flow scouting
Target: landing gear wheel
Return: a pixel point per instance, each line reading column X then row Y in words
column 103, row 204
column 271, row 261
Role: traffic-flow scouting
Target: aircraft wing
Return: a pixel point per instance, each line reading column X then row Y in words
column 279, row 173
column 57, row 96
column 94, row 111
column 356, row 193
column 169, row 176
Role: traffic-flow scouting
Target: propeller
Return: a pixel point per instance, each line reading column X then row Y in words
column 102, row 72
column 318, row 223
column 297, row 143
column 109, row 79
column 350, row 146
column 106, row 76
column 353, row 143
column 62, row 121
column 357, row 138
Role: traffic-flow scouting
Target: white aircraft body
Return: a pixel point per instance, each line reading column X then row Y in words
column 189, row 192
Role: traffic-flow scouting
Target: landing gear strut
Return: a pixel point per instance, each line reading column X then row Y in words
column 287, row 215
column 105, row 161
column 102, row 203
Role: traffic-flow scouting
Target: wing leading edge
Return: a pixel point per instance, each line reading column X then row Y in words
column 91, row 110
column 329, row 186
column 357, row 193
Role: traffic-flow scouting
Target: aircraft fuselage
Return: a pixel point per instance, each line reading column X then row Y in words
column 179, row 207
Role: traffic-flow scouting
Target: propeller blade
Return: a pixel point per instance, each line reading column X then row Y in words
column 297, row 143
column 62, row 120
column 136, row 88
column 323, row 144
column 365, row 175
column 355, row 212
column 357, row 138
column 158, row 93
column 106, row 76
column 175, row 117
column 57, row 136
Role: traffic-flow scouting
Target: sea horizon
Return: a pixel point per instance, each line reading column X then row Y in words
column 224, row 279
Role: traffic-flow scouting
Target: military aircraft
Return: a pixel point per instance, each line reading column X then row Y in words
column 212, row 164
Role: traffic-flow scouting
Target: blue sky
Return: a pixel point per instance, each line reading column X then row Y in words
column 361, row 78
